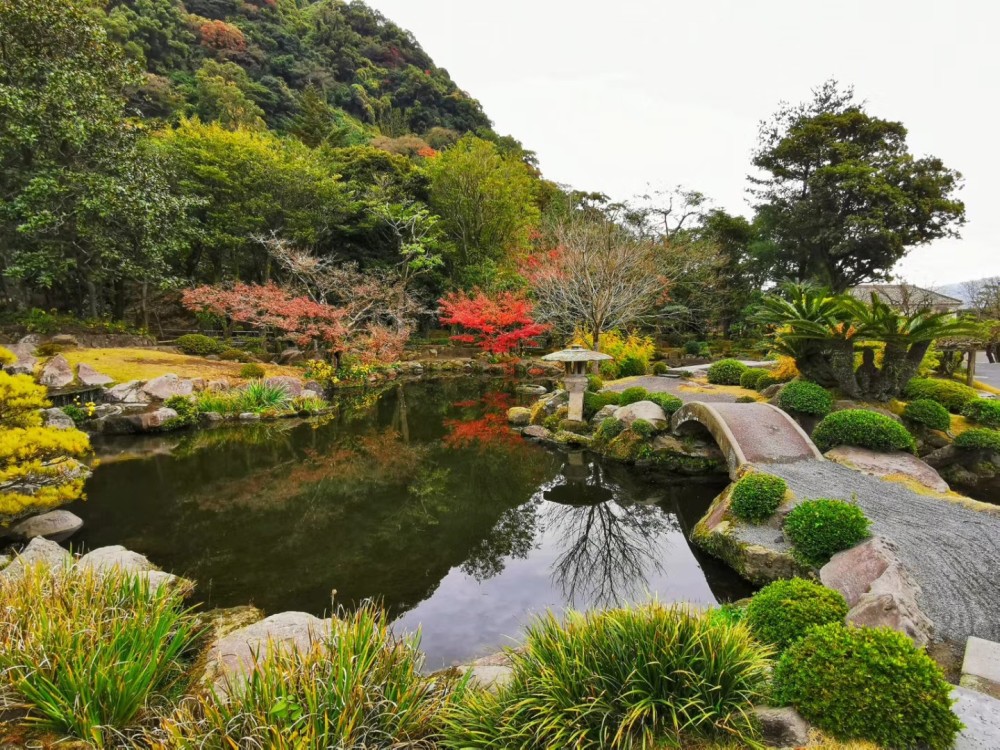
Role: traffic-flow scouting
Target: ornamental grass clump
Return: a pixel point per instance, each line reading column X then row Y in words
column 868, row 683
column 984, row 411
column 726, row 372
column 359, row 687
column 785, row 610
column 649, row 676
column 89, row 655
column 755, row 497
column 805, row 397
column 953, row 396
column 864, row 429
column 979, row 439
column 259, row 395
column 927, row 413
column 819, row 529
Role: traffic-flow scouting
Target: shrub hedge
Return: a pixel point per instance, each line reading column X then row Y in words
column 252, row 371
column 726, row 372
column 806, row 398
column 818, row 529
column 783, row 611
column 751, row 377
column 868, row 683
column 766, row 382
column 660, row 368
column 594, row 383
column 199, row 345
column 594, row 402
column 979, row 439
column 631, row 395
column 927, row 412
column 953, row 396
column 985, row 411
column 665, row 401
column 864, row 429
column 756, row 496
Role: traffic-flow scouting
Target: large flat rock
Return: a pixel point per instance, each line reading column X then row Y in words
column 893, row 464
column 56, row 525
column 981, row 715
column 981, row 666
column 104, row 559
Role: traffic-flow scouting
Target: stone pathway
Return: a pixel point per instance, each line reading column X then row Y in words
column 953, row 552
column 685, row 390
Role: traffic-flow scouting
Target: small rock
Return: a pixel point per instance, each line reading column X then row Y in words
column 211, row 416
column 64, row 339
column 981, row 666
column 645, row 410
column 312, row 387
column 536, row 432
column 87, row 375
column 249, row 416
column 130, row 392
column 605, row 412
column 57, row 373
column 782, row 727
column 166, row 386
column 772, row 390
column 487, row 677
column 103, row 559
column 217, row 385
column 40, row 551
column 519, row 416
column 291, row 386
column 25, row 361
column 56, row 525
column 532, row 389
column 106, row 410
column 57, row 418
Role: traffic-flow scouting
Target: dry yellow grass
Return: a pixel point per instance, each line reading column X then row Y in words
column 144, row 364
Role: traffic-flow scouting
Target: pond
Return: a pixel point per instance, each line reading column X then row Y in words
column 421, row 498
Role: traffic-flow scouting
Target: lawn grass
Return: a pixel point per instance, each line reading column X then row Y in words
column 127, row 364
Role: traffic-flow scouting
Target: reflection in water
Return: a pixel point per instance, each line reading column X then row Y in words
column 421, row 498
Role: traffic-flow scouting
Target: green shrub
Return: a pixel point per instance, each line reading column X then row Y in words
column 50, row 349
column 953, row 396
column 252, row 371
column 726, row 372
column 632, row 395
column 806, row 398
column 308, row 404
column 642, row 428
column 766, row 382
column 665, row 401
column 660, row 368
column 756, row 496
column 863, row 428
column 868, row 683
column 818, row 529
column 234, row 355
column 746, row 400
column 359, row 687
column 928, row 413
column 187, row 412
column 751, row 377
column 985, row 411
column 618, row 678
column 632, row 366
column 551, row 422
column 220, row 402
column 609, row 429
column 696, row 348
column 594, row 402
column 594, row 383
column 86, row 652
column 199, row 345
column 979, row 439
column 782, row 612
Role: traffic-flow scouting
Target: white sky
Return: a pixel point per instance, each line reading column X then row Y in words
column 617, row 96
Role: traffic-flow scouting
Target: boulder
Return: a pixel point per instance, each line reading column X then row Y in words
column 56, row 373
column 290, row 356
column 148, row 421
column 40, row 551
column 519, row 416
column 689, row 456
column 646, row 410
column 64, row 339
column 782, row 727
column 853, row 571
column 233, row 657
column 106, row 410
column 249, row 416
column 127, row 393
column 25, row 360
column 311, row 387
column 103, row 559
column 57, row 418
column 56, row 525
column 892, row 611
column 895, row 463
column 292, row 386
column 217, row 385
column 536, row 432
column 605, row 412
column 87, row 375
column 167, row 386
column 211, row 417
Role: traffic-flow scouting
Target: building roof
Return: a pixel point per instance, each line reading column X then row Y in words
column 904, row 295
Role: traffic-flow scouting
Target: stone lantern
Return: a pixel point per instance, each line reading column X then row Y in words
column 575, row 360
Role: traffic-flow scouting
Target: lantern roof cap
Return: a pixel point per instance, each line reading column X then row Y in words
column 576, row 353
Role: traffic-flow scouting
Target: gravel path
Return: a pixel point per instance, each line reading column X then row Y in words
column 951, row 551
column 662, row 384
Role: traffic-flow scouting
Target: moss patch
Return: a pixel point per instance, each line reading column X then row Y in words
column 145, row 364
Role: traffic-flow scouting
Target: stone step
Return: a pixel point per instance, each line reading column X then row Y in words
column 981, row 666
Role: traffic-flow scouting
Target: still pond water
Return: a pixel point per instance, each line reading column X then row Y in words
column 421, row 498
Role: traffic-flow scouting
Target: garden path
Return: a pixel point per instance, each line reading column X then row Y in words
column 685, row 390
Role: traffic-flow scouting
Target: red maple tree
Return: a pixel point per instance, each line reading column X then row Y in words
column 497, row 324
column 220, row 35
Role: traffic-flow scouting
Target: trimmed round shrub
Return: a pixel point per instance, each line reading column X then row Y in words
column 985, row 411
column 252, row 371
column 928, row 413
column 868, row 683
column 594, row 402
column 234, row 355
column 819, row 529
column 746, row 400
column 752, row 377
column 979, row 439
column 726, row 372
column 609, row 429
column 756, row 496
column 694, row 348
column 953, row 396
column 665, row 401
column 618, row 678
column 782, row 612
column 199, row 345
column 642, row 428
column 864, row 429
column 631, row 395
column 660, row 368
column 631, row 366
column 805, row 397
column 766, row 382
column 594, row 383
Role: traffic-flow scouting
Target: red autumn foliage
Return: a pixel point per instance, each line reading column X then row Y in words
column 269, row 306
column 426, row 152
column 219, row 35
column 497, row 324
column 491, row 429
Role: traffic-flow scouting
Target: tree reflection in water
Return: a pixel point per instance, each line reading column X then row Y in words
column 608, row 544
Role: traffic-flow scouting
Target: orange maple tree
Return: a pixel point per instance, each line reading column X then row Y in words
column 496, row 324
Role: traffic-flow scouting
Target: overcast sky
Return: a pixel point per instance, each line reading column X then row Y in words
column 617, row 96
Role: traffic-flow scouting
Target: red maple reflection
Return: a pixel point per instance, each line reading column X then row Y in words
column 489, row 430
